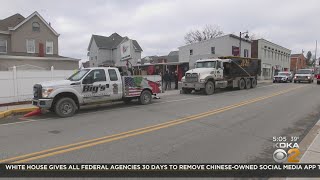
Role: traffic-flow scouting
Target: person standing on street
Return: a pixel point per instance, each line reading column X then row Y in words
column 166, row 79
column 176, row 80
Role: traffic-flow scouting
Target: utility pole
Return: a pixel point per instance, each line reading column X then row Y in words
column 246, row 37
column 240, row 45
column 315, row 54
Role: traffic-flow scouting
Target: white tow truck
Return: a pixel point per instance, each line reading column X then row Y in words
column 92, row 85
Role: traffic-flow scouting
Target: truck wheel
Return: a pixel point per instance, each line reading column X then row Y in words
column 145, row 97
column 318, row 82
column 65, row 107
column 209, row 89
column 253, row 83
column 242, row 84
column 248, row 83
column 295, row 81
column 186, row 91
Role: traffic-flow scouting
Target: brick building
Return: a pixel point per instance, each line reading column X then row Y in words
column 297, row 61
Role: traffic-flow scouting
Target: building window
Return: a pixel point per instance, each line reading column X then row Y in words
column 265, row 53
column 3, row 46
column 31, row 48
column 91, row 58
column 246, row 52
column 191, row 51
column 49, row 47
column 213, row 50
column 35, row 27
column 96, row 57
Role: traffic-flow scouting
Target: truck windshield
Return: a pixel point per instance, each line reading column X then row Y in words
column 78, row 75
column 304, row 71
column 206, row 64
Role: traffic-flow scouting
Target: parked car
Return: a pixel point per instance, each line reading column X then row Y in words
column 304, row 75
column 283, row 77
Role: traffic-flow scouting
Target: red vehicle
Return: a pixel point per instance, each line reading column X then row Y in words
column 317, row 75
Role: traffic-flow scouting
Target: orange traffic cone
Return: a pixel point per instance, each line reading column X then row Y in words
column 33, row 113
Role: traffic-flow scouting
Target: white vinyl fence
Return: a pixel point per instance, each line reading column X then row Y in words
column 17, row 85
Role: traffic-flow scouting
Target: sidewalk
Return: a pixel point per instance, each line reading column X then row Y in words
column 5, row 108
column 312, row 154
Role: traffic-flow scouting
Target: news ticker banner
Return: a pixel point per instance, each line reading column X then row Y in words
column 159, row 170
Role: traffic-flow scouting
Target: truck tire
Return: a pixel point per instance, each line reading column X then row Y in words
column 242, row 84
column 209, row 88
column 65, row 107
column 248, row 83
column 318, row 82
column 186, row 91
column 253, row 83
column 145, row 97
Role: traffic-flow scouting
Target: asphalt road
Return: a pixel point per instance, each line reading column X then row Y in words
column 227, row 127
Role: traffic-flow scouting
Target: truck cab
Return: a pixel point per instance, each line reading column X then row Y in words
column 90, row 85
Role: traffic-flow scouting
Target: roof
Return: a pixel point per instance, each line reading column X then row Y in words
column 111, row 42
column 173, row 53
column 136, row 44
column 11, row 21
column 15, row 21
column 261, row 39
column 296, row 55
column 219, row 37
column 55, row 58
column 169, row 59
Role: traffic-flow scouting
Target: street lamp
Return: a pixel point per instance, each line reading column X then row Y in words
column 246, row 37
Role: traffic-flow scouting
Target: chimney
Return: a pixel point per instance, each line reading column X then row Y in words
column 50, row 24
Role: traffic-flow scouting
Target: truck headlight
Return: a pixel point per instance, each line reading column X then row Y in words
column 295, row 77
column 308, row 77
column 202, row 80
column 46, row 92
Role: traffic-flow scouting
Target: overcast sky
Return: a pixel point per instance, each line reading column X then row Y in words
column 160, row 25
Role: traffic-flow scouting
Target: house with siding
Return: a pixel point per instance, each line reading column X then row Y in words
column 113, row 50
column 31, row 42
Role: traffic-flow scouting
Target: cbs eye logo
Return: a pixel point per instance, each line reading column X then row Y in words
column 281, row 155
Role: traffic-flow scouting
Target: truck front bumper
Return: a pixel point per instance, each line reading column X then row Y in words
column 194, row 85
column 42, row 103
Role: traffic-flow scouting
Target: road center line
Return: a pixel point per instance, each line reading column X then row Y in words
column 89, row 143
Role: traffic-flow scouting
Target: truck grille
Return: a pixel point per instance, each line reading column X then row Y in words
column 37, row 91
column 191, row 77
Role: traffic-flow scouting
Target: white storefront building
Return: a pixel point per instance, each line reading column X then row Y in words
column 227, row 45
column 274, row 58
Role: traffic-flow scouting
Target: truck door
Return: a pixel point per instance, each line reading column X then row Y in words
column 115, row 84
column 219, row 70
column 96, row 87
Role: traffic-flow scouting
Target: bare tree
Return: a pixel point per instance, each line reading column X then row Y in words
column 208, row 32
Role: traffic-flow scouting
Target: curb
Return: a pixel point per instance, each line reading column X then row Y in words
column 15, row 111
